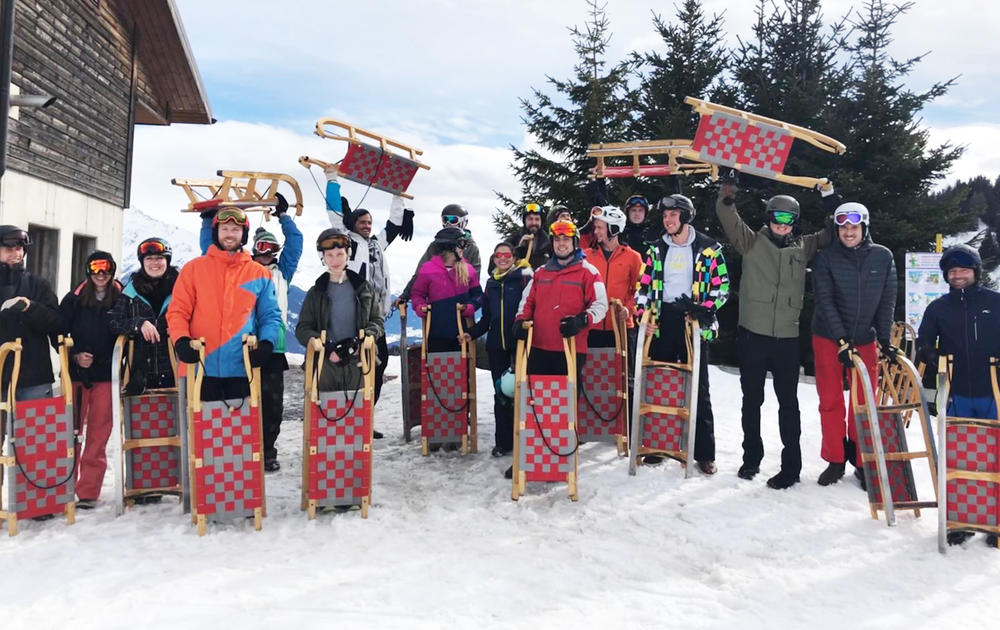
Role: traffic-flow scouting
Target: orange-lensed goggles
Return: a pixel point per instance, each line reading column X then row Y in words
column 563, row 228
column 266, row 247
column 101, row 265
column 231, row 215
column 532, row 208
column 152, row 248
column 340, row 240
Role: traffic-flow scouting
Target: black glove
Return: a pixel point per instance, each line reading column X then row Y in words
column 571, row 325
column 730, row 178
column 888, row 351
column 704, row 315
column 260, row 354
column 185, row 353
column 344, row 349
column 282, row 206
column 406, row 231
column 520, row 332
column 845, row 352
column 928, row 356
column 209, row 214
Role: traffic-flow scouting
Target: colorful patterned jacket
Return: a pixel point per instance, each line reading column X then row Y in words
column 709, row 286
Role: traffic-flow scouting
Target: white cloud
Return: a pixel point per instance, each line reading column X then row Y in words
column 980, row 142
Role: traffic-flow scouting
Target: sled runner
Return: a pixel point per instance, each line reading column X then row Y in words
column 337, row 434
column 224, row 455
column 410, row 369
column 39, row 446
column 249, row 190
column 602, row 409
column 665, row 403
column 904, row 337
column 146, row 434
column 386, row 164
column 886, row 458
column 448, row 393
column 680, row 159
column 968, row 483
column 545, row 441
column 752, row 144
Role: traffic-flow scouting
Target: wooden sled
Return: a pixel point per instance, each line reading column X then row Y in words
column 642, row 153
column 602, row 409
column 337, row 435
column 224, row 454
column 410, row 371
column 886, row 458
column 145, row 436
column 968, row 483
column 665, row 405
column 448, row 393
column 39, row 446
column 250, row 191
column 752, row 144
column 546, row 446
column 384, row 164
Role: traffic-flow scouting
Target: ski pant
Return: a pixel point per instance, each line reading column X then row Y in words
column 272, row 408
column 93, row 409
column 382, row 353
column 758, row 355
column 968, row 407
column 550, row 362
column 34, row 392
column 670, row 345
column 830, row 387
column 233, row 389
column 503, row 407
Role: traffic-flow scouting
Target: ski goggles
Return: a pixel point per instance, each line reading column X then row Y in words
column 451, row 219
column 532, row 208
column 502, row 256
column 266, row 247
column 101, row 265
column 153, row 248
column 231, row 215
column 563, row 228
column 845, row 218
column 18, row 238
column 341, row 241
column 637, row 200
column 783, row 218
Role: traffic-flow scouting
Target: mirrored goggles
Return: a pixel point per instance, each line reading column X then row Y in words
column 231, row 215
column 339, row 240
column 532, row 208
column 451, row 219
column 783, row 218
column 266, row 247
column 154, row 248
column 853, row 218
column 101, row 265
column 563, row 228
column 18, row 238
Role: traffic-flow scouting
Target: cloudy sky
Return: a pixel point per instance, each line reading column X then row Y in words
column 446, row 76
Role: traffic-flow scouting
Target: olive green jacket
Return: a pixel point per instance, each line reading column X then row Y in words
column 772, row 285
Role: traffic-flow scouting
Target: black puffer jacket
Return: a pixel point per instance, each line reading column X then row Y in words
column 90, row 327
column 37, row 327
column 855, row 292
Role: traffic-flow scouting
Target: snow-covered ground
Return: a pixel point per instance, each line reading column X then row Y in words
column 444, row 546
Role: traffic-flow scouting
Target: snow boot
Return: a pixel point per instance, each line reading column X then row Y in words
column 509, row 473
column 859, row 474
column 86, row 504
column 833, row 473
column 782, row 481
column 652, row 460
column 748, row 472
column 957, row 538
column 271, row 465
column 707, row 467
column 991, row 540
column 500, row 452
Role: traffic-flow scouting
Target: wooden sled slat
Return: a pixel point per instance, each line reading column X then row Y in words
column 252, row 191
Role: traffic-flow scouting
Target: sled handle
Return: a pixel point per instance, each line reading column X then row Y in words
column 11, row 347
column 65, row 343
column 352, row 136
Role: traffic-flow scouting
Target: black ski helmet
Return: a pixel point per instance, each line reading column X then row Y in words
column 154, row 247
column 449, row 239
column 532, row 208
column 455, row 209
column 11, row 236
column 961, row 255
column 230, row 214
column 331, row 238
column 678, row 202
column 782, row 203
column 99, row 255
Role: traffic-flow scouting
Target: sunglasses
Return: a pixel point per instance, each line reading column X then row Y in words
column 100, row 265
column 498, row 256
column 152, row 248
column 783, row 218
column 451, row 219
column 341, row 241
column 563, row 228
column 16, row 239
column 853, row 218
column 266, row 247
column 231, row 215
column 532, row 208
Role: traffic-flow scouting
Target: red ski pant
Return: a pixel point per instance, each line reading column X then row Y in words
column 93, row 407
column 829, row 386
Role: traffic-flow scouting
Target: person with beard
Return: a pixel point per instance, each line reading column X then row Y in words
column 685, row 275
column 772, row 289
column 85, row 312
column 531, row 231
column 29, row 311
column 140, row 313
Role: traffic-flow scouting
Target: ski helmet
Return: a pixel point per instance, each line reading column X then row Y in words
column 264, row 243
column 852, row 213
column 565, row 228
column 678, row 202
column 532, row 208
column 961, row 255
column 154, row 247
column 13, row 236
column 332, row 238
column 779, row 207
column 506, row 383
column 637, row 200
column 99, row 261
column 449, row 239
column 557, row 210
column 230, row 214
column 454, row 214
column 612, row 216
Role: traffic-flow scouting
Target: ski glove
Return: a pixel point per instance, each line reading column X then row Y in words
column 406, row 231
column 344, row 349
column 185, row 353
column 845, row 352
column 889, row 352
column 282, row 206
column 520, row 332
column 929, row 357
column 571, row 325
column 209, row 214
column 704, row 315
column 260, row 354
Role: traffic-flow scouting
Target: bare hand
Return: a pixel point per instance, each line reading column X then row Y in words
column 334, row 358
column 15, row 300
column 84, row 359
column 527, row 238
column 149, row 332
column 650, row 330
column 466, row 337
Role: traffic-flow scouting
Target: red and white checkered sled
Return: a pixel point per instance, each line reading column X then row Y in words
column 886, row 458
column 969, row 481
column 146, row 438
column 666, row 401
column 545, row 409
column 602, row 409
column 39, row 445
column 337, row 435
column 448, row 394
column 224, row 457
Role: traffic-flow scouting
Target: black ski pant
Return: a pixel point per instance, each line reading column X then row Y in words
column 549, row 362
column 670, row 346
column 503, row 407
column 382, row 350
column 758, row 355
column 272, row 408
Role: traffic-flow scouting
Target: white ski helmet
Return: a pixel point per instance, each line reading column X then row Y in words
column 851, row 212
column 611, row 215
